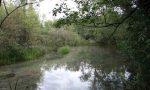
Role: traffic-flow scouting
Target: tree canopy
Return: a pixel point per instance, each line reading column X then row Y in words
column 132, row 16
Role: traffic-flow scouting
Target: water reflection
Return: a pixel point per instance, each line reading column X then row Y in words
column 96, row 69
column 85, row 68
column 62, row 79
column 81, row 76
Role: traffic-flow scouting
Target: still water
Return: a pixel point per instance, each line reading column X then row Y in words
column 84, row 68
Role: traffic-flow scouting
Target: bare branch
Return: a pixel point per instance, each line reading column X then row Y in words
column 0, row 2
column 5, row 7
column 14, row 11
column 16, row 84
column 102, row 26
column 10, row 85
column 103, row 13
column 116, row 25
column 123, row 20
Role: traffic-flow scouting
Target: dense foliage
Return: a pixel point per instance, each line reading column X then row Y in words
column 125, row 23
column 121, row 23
column 24, row 37
column 16, row 33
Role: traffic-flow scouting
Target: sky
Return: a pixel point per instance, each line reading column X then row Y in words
column 46, row 6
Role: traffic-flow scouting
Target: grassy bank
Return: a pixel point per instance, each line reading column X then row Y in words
column 13, row 55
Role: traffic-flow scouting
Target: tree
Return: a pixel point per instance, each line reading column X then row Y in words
column 17, row 32
column 22, row 4
column 134, row 14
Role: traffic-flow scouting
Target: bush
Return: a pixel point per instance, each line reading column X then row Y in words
column 61, row 37
column 9, row 55
column 12, row 54
column 63, row 50
column 31, row 53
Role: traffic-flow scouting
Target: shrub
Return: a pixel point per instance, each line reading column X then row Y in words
column 12, row 54
column 9, row 55
column 63, row 50
column 60, row 37
column 31, row 53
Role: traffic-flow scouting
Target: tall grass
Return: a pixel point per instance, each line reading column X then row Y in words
column 32, row 53
column 12, row 55
column 63, row 50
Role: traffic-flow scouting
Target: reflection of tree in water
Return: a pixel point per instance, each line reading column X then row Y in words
column 101, row 79
column 103, row 70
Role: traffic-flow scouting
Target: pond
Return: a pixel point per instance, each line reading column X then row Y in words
column 84, row 68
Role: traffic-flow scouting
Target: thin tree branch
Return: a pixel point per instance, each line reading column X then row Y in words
column 116, row 25
column 103, row 13
column 5, row 7
column 0, row 2
column 14, row 11
column 123, row 20
column 16, row 84
column 116, row 28
column 102, row 26
column 10, row 85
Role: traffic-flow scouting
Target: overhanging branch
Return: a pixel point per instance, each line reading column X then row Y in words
column 0, row 2
column 5, row 7
column 8, row 14
column 102, row 26
column 116, row 25
column 122, row 21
